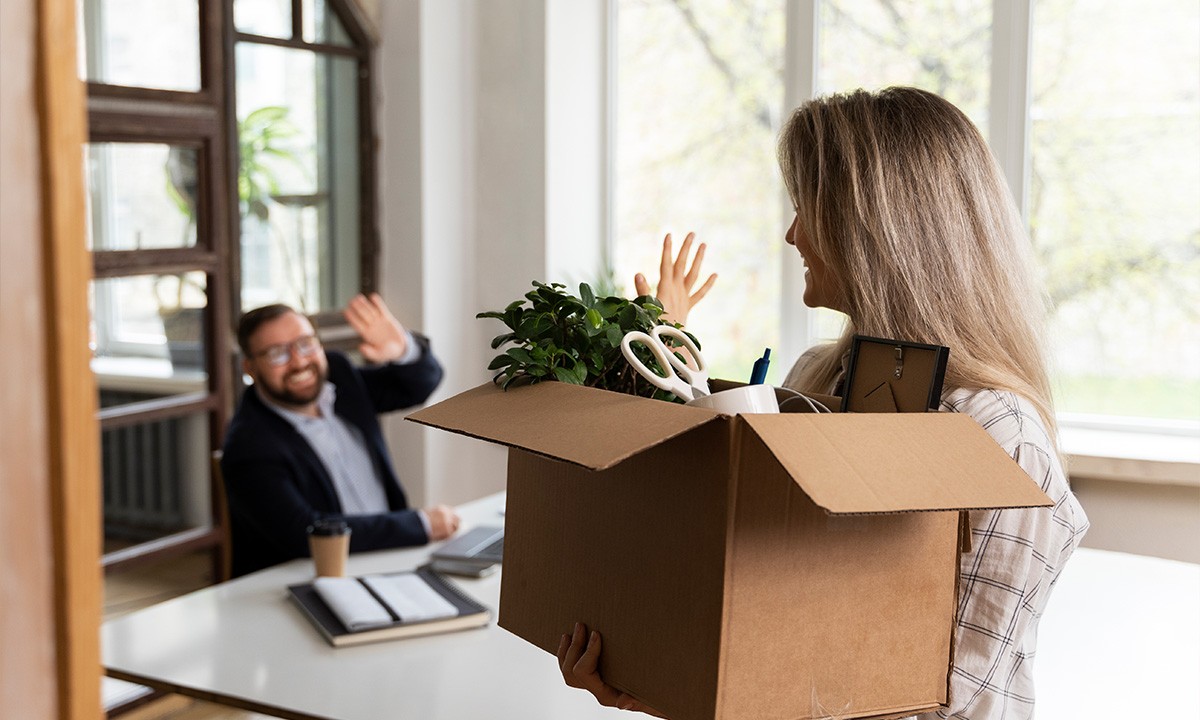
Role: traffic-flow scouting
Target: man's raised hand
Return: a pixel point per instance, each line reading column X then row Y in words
column 383, row 337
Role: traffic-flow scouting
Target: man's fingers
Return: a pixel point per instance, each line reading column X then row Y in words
column 682, row 258
column 640, row 285
column 665, row 262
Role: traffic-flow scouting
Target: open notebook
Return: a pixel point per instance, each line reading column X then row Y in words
column 371, row 608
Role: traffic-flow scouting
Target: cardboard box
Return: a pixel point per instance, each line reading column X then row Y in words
column 760, row 566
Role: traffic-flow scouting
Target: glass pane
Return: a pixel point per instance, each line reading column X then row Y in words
column 298, row 177
column 156, row 479
column 322, row 25
column 707, row 164
column 943, row 46
column 272, row 18
column 148, row 336
column 1113, row 201
column 142, row 43
column 141, row 196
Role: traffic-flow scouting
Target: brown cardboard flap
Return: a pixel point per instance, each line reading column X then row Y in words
column 871, row 463
column 585, row 426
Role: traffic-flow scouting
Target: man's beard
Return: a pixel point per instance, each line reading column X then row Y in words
column 284, row 396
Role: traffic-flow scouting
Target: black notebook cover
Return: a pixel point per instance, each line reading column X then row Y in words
column 470, row 614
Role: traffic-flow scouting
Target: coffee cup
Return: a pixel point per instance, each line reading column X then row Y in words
column 329, row 543
column 740, row 400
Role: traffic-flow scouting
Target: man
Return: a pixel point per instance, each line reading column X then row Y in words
column 305, row 442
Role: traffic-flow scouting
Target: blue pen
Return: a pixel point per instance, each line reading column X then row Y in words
column 759, row 374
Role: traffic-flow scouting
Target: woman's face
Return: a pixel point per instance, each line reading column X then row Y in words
column 821, row 289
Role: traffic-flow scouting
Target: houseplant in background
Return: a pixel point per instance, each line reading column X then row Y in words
column 575, row 339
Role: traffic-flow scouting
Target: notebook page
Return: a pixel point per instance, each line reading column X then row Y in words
column 410, row 597
column 351, row 602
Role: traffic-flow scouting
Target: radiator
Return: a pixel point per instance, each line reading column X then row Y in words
column 146, row 472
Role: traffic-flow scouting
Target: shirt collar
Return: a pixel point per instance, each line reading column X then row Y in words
column 325, row 403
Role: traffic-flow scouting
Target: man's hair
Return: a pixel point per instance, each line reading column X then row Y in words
column 252, row 320
column 899, row 195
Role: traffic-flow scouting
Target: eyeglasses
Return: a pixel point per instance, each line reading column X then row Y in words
column 280, row 355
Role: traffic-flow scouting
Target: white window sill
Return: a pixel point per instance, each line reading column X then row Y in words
column 1141, row 457
column 149, row 375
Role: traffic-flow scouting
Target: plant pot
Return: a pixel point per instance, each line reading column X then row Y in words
column 184, row 328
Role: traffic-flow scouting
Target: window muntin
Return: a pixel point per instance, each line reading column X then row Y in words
column 1115, row 157
column 141, row 43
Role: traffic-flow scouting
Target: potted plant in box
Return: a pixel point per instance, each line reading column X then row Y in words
column 575, row 339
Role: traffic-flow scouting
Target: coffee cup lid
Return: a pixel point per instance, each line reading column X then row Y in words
column 329, row 527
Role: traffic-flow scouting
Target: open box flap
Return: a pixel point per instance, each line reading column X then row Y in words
column 895, row 462
column 585, row 426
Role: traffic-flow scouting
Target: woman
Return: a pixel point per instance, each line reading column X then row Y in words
column 905, row 225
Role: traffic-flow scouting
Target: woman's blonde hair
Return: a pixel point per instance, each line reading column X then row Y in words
column 899, row 195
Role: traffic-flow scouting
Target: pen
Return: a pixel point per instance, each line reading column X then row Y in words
column 759, row 374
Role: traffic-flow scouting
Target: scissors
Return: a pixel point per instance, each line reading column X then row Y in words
column 682, row 379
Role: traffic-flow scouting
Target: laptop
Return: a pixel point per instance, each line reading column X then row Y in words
column 475, row 553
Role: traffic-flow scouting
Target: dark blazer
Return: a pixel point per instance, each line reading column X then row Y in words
column 277, row 486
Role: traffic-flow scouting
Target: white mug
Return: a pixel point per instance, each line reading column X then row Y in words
column 740, row 400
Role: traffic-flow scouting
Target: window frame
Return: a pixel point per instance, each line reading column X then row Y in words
column 206, row 120
column 1009, row 104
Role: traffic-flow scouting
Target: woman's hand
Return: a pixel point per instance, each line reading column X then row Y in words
column 383, row 337
column 676, row 280
column 578, row 655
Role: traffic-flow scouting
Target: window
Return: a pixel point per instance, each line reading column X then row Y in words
column 1112, row 148
column 1114, row 202
column 306, row 236
column 164, row 202
column 700, row 88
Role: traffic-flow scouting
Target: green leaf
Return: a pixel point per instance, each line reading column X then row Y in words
column 501, row 339
column 500, row 361
column 593, row 316
column 586, row 294
column 519, row 354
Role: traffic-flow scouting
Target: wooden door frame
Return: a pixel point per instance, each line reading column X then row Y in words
column 73, row 440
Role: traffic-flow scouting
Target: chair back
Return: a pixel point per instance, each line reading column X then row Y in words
column 221, row 517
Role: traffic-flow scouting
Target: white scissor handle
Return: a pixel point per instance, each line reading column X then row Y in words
column 672, row 383
column 695, row 371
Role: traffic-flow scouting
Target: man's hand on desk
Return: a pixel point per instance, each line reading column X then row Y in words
column 443, row 522
column 578, row 657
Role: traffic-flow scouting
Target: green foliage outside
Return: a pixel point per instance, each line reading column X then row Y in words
column 1162, row 397
column 577, row 340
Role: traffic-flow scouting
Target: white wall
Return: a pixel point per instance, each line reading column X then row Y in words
column 485, row 185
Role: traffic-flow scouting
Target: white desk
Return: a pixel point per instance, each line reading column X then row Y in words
column 1120, row 639
column 243, row 643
